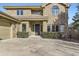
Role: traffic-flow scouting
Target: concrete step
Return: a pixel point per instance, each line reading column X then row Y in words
column 38, row 37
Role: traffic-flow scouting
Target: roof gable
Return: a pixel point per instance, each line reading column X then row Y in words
column 64, row 4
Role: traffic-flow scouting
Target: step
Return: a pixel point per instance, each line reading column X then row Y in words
column 38, row 37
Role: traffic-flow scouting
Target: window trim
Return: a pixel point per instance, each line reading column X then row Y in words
column 55, row 12
column 61, row 27
column 19, row 12
column 53, row 28
column 24, row 30
column 35, row 12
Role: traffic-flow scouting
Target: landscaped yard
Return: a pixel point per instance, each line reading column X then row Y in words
column 38, row 47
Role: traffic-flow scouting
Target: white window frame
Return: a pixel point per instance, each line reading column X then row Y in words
column 61, row 28
column 20, row 12
column 55, row 12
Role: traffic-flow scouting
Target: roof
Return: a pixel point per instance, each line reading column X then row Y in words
column 34, row 7
column 23, row 7
column 2, row 14
column 64, row 4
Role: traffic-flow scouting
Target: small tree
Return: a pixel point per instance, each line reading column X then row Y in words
column 76, row 19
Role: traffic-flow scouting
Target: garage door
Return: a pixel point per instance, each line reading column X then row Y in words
column 4, row 31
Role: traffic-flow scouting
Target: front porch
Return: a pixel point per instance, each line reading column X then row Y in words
column 33, row 27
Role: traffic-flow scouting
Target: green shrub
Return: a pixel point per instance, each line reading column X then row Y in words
column 51, row 35
column 22, row 34
column 0, row 38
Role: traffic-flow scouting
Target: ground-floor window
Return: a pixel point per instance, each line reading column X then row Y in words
column 57, row 28
column 23, row 27
column 61, row 28
column 48, row 28
column 52, row 28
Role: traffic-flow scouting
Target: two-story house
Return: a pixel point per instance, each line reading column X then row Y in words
column 49, row 17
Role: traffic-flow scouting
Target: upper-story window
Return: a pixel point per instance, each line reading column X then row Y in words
column 55, row 10
column 35, row 12
column 19, row 12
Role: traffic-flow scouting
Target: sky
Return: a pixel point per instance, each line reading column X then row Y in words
column 71, row 11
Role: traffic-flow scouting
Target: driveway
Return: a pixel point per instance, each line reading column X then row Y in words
column 38, row 47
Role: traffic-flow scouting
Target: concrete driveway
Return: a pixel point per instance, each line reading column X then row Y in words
column 38, row 47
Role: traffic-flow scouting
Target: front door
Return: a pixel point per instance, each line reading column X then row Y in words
column 37, row 29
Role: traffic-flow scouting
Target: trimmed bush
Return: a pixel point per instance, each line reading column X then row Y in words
column 51, row 35
column 0, row 38
column 22, row 34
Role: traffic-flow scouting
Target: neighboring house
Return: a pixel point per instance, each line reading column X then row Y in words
column 49, row 17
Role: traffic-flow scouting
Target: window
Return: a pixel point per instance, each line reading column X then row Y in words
column 48, row 28
column 53, row 28
column 19, row 12
column 23, row 27
column 36, row 12
column 57, row 28
column 55, row 10
column 61, row 28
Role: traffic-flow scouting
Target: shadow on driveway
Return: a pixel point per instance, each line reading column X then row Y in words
column 71, row 40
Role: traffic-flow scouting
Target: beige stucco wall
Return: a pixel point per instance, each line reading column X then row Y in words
column 60, row 19
column 11, row 12
column 27, row 12
column 48, row 12
column 14, row 31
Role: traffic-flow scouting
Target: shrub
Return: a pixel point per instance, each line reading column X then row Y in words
column 51, row 35
column 0, row 38
column 22, row 34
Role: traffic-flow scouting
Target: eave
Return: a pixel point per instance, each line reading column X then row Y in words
column 6, row 16
column 23, row 7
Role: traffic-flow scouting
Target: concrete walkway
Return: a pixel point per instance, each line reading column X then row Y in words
column 38, row 47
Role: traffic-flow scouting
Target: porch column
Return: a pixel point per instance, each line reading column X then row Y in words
column 27, row 26
column 17, row 29
column 44, row 26
column 11, row 33
column 20, row 29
